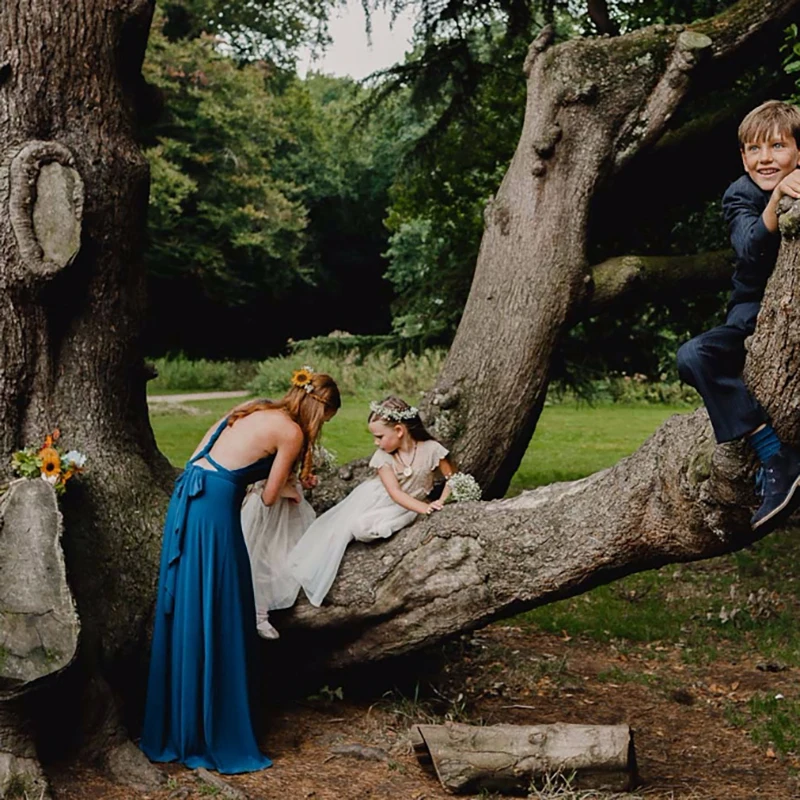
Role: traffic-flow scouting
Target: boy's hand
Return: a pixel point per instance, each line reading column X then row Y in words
column 437, row 505
column 790, row 185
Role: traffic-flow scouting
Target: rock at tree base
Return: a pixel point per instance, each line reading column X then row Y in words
column 38, row 621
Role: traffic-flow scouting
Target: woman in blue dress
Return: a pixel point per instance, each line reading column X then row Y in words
column 198, row 708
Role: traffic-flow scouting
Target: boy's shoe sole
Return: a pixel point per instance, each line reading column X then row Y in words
column 780, row 513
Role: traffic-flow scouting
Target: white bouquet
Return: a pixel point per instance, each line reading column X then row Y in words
column 463, row 487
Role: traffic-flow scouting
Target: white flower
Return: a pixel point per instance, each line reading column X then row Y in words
column 394, row 414
column 74, row 459
column 51, row 479
column 463, row 487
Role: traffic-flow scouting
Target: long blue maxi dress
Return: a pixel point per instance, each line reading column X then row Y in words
column 198, row 708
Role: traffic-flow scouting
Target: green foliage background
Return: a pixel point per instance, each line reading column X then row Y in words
column 285, row 208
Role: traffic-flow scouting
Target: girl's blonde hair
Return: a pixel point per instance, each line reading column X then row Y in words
column 417, row 431
column 306, row 408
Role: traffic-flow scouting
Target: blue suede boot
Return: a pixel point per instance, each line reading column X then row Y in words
column 781, row 484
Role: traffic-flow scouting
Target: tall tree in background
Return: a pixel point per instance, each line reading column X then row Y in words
column 595, row 108
column 268, row 196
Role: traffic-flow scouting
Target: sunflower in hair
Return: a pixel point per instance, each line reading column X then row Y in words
column 301, row 378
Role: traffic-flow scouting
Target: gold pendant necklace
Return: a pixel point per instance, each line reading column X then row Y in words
column 407, row 470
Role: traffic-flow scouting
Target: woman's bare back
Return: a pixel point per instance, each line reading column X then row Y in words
column 249, row 438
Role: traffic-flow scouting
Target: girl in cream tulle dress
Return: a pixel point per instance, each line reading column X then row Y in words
column 406, row 461
column 270, row 533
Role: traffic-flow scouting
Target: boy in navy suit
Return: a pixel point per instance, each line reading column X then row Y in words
column 713, row 361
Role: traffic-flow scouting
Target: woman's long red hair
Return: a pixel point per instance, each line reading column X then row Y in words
column 307, row 409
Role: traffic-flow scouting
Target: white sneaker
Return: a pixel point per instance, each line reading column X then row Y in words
column 266, row 630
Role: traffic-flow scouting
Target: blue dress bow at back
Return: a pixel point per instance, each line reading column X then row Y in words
column 200, row 687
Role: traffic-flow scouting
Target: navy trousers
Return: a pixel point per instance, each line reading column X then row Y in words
column 712, row 362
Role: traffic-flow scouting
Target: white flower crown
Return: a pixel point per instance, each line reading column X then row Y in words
column 393, row 414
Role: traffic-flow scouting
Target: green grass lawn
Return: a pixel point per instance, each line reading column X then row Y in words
column 688, row 606
column 571, row 441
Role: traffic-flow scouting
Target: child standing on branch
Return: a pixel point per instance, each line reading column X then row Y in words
column 406, row 460
column 713, row 361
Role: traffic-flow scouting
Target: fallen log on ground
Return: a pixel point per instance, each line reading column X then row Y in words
column 508, row 758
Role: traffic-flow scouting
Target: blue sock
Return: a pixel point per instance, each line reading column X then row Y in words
column 766, row 443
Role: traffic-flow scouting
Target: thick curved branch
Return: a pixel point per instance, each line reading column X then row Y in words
column 735, row 27
column 678, row 498
column 623, row 279
column 647, row 123
column 714, row 39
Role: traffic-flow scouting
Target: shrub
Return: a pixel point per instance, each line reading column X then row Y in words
column 628, row 390
column 377, row 373
column 183, row 374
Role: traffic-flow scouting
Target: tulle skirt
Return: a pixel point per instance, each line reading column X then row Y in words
column 270, row 533
column 366, row 514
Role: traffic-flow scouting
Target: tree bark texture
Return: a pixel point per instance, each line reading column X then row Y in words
column 625, row 280
column 508, row 758
column 774, row 348
column 73, row 193
column 593, row 104
column 680, row 497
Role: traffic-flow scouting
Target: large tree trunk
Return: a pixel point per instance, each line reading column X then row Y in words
column 593, row 104
column 73, row 192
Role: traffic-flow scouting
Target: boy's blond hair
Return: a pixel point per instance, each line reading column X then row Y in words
column 769, row 118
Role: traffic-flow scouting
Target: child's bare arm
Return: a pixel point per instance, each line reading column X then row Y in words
column 447, row 470
column 392, row 486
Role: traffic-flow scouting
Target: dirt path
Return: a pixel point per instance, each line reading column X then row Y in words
column 188, row 398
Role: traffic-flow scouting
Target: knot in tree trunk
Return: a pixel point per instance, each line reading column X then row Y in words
column 45, row 206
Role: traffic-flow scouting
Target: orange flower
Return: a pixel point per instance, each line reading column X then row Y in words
column 51, row 462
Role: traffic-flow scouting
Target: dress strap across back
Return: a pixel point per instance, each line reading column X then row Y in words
column 204, row 453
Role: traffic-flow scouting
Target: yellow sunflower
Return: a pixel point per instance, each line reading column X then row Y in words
column 301, row 378
column 51, row 462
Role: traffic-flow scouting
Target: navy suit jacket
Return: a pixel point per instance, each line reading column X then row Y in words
column 755, row 247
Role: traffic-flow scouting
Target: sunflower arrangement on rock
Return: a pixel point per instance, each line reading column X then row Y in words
column 50, row 462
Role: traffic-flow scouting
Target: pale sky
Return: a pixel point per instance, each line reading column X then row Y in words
column 351, row 54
